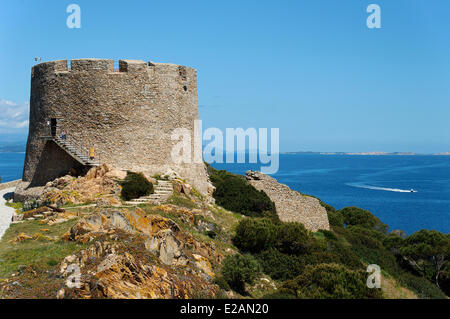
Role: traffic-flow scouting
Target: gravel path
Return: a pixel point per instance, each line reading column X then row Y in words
column 6, row 212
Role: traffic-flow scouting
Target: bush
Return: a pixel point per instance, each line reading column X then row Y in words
column 293, row 238
column 240, row 269
column 234, row 193
column 255, row 234
column 335, row 219
column 333, row 252
column 356, row 216
column 330, row 281
column 222, row 283
column 421, row 286
column 368, row 245
column 329, row 235
column 430, row 251
column 135, row 185
column 444, row 280
column 280, row 266
column 393, row 242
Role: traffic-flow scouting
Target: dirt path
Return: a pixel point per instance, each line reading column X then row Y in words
column 6, row 212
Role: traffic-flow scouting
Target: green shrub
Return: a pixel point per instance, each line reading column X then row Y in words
column 280, row 266
column 255, row 234
column 421, row 286
column 330, row 281
column 393, row 243
column 240, row 269
column 222, row 283
column 335, row 218
column 329, row 235
column 234, row 193
column 293, row 238
column 356, row 216
column 368, row 245
column 360, row 236
column 444, row 280
column 333, row 251
column 430, row 251
column 135, row 185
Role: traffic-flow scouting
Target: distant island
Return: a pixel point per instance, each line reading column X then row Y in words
column 365, row 153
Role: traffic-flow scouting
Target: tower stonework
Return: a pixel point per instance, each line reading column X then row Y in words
column 127, row 115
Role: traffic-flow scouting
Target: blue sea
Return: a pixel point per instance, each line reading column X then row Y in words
column 11, row 166
column 381, row 184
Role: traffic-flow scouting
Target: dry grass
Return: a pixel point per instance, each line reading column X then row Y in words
column 393, row 290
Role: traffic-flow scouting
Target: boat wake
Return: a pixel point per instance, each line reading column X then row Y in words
column 398, row 190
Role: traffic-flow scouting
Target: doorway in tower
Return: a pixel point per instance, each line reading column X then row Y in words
column 53, row 124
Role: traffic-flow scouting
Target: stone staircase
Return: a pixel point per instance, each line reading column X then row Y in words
column 163, row 190
column 74, row 152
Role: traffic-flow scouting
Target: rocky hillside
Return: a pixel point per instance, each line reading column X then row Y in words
column 82, row 239
column 117, row 251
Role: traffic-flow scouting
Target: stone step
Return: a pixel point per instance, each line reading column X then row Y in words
column 38, row 216
column 152, row 196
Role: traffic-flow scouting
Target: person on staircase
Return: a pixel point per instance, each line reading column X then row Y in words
column 63, row 135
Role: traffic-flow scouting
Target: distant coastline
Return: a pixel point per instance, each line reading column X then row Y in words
column 20, row 148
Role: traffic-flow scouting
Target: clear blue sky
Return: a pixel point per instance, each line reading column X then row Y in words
column 311, row 68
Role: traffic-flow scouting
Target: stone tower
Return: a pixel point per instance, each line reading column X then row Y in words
column 124, row 116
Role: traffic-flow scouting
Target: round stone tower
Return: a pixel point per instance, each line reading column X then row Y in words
column 124, row 117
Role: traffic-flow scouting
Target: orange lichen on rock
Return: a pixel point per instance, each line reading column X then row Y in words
column 20, row 238
column 99, row 182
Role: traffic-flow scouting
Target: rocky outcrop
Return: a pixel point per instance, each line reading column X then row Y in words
column 167, row 247
column 138, row 255
column 107, row 270
column 99, row 185
column 291, row 206
column 161, row 236
column 24, row 192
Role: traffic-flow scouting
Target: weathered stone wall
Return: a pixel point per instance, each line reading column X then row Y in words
column 127, row 115
column 291, row 205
